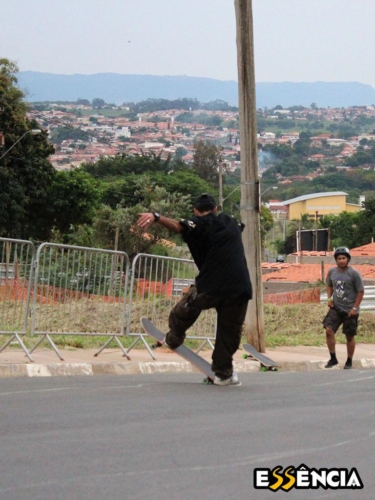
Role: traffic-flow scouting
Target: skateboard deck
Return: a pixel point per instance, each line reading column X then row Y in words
column 266, row 362
column 193, row 358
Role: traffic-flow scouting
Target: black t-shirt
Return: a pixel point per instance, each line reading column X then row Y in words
column 215, row 243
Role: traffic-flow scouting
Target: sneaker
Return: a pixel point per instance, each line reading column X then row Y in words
column 348, row 365
column 165, row 344
column 173, row 343
column 233, row 380
column 331, row 362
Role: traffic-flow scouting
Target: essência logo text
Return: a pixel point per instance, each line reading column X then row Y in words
column 303, row 477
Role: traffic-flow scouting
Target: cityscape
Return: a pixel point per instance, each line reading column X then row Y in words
column 187, row 255
column 97, row 133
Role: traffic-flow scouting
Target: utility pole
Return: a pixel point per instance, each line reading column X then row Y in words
column 250, row 209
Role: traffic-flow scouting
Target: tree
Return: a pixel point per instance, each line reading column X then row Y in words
column 98, row 103
column 306, row 222
column 206, row 160
column 124, row 163
column 61, row 134
column 302, row 146
column 266, row 222
column 365, row 224
column 342, row 228
column 74, row 197
column 180, row 152
column 25, row 171
column 131, row 239
column 289, row 167
column 83, row 102
column 186, row 182
column 120, row 192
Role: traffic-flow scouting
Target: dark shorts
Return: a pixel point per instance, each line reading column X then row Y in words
column 335, row 318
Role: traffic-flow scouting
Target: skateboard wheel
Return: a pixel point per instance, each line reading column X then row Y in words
column 264, row 369
column 158, row 344
column 208, row 381
column 245, row 356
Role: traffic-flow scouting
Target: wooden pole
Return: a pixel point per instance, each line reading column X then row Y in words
column 250, row 209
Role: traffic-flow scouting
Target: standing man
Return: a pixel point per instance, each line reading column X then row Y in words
column 223, row 281
column 345, row 292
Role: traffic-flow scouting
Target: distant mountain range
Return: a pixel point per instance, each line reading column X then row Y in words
column 116, row 88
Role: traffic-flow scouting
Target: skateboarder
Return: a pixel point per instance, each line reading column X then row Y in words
column 223, row 282
column 345, row 292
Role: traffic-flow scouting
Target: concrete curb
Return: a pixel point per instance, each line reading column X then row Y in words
column 150, row 367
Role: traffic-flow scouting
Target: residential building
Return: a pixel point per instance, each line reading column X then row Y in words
column 319, row 204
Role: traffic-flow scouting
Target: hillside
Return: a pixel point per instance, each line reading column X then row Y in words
column 116, row 88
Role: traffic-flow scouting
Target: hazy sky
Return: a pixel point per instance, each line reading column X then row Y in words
column 295, row 40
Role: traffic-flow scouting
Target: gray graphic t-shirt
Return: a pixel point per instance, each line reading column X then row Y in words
column 346, row 284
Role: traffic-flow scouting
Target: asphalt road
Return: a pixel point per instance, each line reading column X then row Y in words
column 171, row 437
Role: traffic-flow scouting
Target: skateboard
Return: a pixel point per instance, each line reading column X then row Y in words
column 265, row 362
column 193, row 358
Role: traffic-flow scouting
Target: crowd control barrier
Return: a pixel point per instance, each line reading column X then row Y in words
column 79, row 291
column 157, row 284
column 70, row 290
column 16, row 274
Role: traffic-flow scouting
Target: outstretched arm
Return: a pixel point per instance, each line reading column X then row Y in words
column 146, row 219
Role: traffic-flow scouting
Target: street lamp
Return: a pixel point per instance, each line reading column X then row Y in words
column 229, row 195
column 33, row 131
column 238, row 187
column 271, row 187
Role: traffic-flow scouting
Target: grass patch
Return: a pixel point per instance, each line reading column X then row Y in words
column 287, row 325
column 301, row 324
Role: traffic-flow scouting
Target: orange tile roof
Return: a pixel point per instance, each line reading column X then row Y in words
column 312, row 253
column 365, row 250
column 308, row 273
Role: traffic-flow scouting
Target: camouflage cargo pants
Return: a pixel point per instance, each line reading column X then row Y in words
column 231, row 313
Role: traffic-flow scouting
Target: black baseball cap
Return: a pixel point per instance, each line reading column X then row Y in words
column 205, row 200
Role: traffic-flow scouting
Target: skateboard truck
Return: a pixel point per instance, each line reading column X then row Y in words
column 266, row 363
column 158, row 344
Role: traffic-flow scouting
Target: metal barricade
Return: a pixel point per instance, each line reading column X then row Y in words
column 16, row 271
column 79, row 291
column 157, row 284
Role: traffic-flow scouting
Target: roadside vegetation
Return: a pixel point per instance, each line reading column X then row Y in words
column 281, row 329
column 96, row 205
